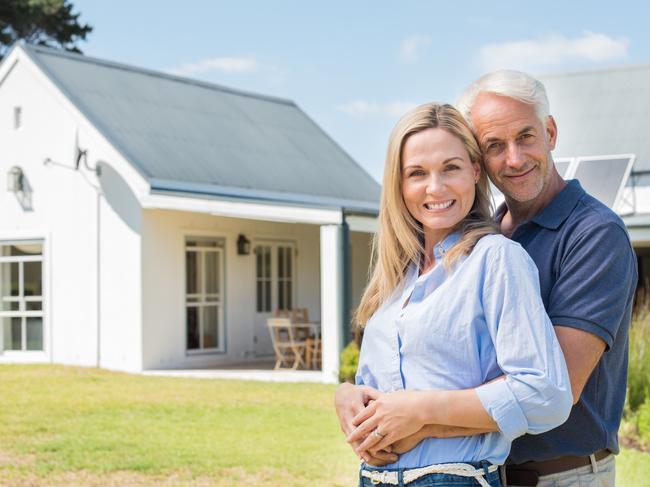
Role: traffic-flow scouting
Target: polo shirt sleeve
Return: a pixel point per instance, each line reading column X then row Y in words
column 596, row 275
column 535, row 395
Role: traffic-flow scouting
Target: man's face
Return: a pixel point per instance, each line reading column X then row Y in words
column 516, row 145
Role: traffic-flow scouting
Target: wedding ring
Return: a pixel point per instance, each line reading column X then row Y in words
column 376, row 433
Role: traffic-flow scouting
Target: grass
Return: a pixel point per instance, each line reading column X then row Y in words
column 74, row 426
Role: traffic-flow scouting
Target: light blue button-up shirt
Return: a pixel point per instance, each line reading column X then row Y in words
column 462, row 328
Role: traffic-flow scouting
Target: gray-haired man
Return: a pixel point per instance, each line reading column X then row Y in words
column 587, row 273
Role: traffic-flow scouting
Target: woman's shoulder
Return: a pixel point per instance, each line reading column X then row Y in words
column 496, row 248
column 496, row 243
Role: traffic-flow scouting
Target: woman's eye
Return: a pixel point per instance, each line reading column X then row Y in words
column 451, row 167
column 417, row 173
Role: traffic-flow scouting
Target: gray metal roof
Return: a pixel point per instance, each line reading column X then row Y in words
column 183, row 131
column 602, row 112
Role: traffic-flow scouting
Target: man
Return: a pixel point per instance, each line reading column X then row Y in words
column 587, row 274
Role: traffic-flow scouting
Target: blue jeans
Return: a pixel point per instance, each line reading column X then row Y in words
column 438, row 479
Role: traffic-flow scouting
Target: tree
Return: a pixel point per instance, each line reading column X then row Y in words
column 43, row 22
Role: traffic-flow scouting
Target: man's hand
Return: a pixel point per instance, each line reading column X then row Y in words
column 434, row 431
column 386, row 420
column 349, row 400
column 410, row 442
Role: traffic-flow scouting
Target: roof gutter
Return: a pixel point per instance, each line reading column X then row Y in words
column 349, row 207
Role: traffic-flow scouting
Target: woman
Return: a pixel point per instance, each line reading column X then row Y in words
column 456, row 333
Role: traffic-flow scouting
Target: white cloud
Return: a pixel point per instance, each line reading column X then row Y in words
column 553, row 50
column 223, row 64
column 364, row 108
column 411, row 46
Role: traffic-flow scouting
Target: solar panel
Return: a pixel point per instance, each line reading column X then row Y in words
column 604, row 177
column 564, row 166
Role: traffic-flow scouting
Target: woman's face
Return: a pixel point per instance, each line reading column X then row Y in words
column 438, row 181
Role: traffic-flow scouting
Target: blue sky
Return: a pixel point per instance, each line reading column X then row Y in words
column 356, row 66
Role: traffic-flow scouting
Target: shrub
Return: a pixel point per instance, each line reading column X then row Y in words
column 349, row 362
column 643, row 421
column 638, row 375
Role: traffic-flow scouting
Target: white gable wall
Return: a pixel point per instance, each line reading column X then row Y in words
column 64, row 214
column 164, row 233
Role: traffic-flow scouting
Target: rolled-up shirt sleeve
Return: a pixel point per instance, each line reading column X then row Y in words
column 535, row 395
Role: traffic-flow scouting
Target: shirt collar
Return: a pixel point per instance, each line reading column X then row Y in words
column 558, row 210
column 442, row 247
column 439, row 251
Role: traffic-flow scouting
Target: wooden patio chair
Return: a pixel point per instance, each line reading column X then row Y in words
column 297, row 315
column 313, row 353
column 288, row 347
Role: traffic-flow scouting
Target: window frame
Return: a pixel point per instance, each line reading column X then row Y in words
column 22, row 311
column 275, row 280
column 202, row 299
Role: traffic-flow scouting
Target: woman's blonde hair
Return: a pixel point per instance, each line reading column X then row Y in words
column 400, row 239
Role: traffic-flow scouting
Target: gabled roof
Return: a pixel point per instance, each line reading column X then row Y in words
column 602, row 112
column 189, row 136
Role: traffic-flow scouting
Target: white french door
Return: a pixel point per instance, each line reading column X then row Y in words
column 275, row 271
column 204, row 291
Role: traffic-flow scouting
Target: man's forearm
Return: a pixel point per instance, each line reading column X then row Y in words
column 442, row 431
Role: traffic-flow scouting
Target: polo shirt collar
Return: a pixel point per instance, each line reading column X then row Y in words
column 557, row 210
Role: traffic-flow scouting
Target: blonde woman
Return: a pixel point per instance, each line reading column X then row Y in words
column 451, row 305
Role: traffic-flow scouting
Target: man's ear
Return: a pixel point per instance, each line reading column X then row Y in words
column 551, row 132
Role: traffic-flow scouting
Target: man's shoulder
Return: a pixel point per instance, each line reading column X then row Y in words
column 590, row 216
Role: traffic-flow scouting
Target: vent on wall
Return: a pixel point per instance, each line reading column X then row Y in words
column 18, row 112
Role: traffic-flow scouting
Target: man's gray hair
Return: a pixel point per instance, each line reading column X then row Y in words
column 513, row 84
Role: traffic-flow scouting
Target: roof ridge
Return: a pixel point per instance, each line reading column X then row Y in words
column 624, row 67
column 35, row 49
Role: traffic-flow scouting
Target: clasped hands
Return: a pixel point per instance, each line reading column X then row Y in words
column 379, row 426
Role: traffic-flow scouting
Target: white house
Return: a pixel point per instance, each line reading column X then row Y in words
column 154, row 222
column 602, row 118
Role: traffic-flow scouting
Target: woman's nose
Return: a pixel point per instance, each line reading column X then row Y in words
column 434, row 184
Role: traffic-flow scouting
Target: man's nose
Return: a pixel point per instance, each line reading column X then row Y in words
column 515, row 157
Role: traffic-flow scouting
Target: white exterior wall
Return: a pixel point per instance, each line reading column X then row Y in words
column 64, row 214
column 163, row 290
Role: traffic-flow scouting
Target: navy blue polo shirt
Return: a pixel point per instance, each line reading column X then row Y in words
column 588, row 276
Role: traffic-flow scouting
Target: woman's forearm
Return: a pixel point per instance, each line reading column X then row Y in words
column 454, row 408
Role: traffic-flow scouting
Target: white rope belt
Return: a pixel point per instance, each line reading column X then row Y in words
column 460, row 469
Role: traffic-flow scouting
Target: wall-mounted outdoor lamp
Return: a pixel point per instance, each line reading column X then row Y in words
column 15, row 180
column 243, row 245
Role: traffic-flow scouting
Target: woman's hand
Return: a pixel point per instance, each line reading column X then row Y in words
column 385, row 420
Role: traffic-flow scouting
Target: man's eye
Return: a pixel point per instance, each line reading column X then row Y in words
column 492, row 147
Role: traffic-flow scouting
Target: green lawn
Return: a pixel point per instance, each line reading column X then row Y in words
column 72, row 426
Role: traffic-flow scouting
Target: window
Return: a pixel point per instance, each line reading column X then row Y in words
column 285, row 277
column 274, row 276
column 21, row 296
column 204, row 294
column 263, row 278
